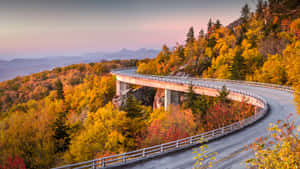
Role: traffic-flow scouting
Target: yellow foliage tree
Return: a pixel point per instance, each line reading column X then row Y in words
column 103, row 132
column 280, row 150
column 93, row 93
column 295, row 25
column 292, row 64
column 29, row 135
column 273, row 71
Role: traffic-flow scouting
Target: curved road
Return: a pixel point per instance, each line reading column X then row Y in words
column 229, row 147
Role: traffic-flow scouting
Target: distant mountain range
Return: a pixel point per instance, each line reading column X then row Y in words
column 21, row 67
column 127, row 54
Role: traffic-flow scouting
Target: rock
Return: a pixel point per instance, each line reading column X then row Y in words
column 159, row 99
column 143, row 94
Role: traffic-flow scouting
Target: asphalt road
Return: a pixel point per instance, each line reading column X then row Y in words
column 230, row 148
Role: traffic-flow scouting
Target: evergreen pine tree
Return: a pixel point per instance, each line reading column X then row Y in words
column 191, row 97
column 260, row 8
column 218, row 24
column 238, row 72
column 132, row 107
column 190, row 36
column 59, row 90
column 209, row 25
column 245, row 12
column 202, row 105
column 201, row 34
column 212, row 42
column 223, row 95
column 61, row 135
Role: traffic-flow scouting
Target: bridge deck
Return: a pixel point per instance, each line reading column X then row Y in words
column 229, row 148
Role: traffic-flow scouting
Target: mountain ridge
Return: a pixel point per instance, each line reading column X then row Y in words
column 20, row 66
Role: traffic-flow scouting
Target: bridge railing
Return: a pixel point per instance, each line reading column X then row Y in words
column 252, row 83
column 133, row 156
column 132, row 72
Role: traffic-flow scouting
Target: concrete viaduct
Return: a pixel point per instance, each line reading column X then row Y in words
column 173, row 86
column 278, row 100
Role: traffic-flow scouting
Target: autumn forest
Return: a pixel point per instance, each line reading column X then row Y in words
column 68, row 115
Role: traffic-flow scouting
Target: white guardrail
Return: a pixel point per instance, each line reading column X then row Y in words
column 149, row 152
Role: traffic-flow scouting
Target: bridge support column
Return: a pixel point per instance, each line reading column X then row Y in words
column 167, row 99
column 121, row 88
column 171, row 97
column 175, row 97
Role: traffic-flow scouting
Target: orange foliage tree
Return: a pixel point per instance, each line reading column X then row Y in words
column 169, row 126
column 222, row 114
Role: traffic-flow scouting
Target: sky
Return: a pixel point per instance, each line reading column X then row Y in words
column 40, row 28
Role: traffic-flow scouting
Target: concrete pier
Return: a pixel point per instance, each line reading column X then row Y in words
column 122, row 87
column 168, row 98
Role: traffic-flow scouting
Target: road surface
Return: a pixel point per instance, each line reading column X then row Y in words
column 230, row 148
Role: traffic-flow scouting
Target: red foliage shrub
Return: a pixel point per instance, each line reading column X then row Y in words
column 14, row 163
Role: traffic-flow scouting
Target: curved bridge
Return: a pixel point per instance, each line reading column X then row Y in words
column 173, row 84
column 230, row 155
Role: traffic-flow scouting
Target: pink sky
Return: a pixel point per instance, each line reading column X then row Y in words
column 39, row 30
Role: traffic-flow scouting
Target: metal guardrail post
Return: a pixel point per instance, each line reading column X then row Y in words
column 124, row 158
column 177, row 143
column 103, row 162
column 143, row 154
column 161, row 148
column 93, row 165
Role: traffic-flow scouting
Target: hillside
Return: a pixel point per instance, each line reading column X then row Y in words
column 65, row 115
column 49, row 106
column 262, row 46
column 68, row 114
column 39, row 85
column 21, row 67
